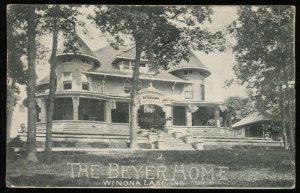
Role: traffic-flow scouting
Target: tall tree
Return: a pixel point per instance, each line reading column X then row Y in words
column 31, row 78
column 265, row 59
column 56, row 18
column 166, row 34
column 16, row 48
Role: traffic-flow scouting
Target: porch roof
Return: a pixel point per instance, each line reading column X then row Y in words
column 254, row 118
column 204, row 104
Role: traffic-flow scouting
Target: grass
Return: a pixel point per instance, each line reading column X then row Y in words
column 246, row 168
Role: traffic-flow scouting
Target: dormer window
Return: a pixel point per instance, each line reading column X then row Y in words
column 188, row 72
column 86, row 61
column 67, row 59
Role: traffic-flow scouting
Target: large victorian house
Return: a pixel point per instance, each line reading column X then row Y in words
column 93, row 95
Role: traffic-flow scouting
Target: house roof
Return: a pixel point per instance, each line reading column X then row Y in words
column 194, row 62
column 83, row 48
column 254, row 118
column 162, row 75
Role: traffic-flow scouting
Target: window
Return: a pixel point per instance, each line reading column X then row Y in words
column 67, row 85
column 121, row 113
column 188, row 92
column 202, row 90
column 188, row 71
column 132, row 65
column 67, row 80
column 63, row 109
column 179, row 115
column 126, row 65
column 91, row 109
column 85, row 86
column 87, row 61
column 85, row 82
column 67, row 59
column 127, row 86
column 143, row 65
column 140, row 85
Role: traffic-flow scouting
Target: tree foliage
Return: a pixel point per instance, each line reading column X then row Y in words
column 164, row 34
column 265, row 58
column 243, row 107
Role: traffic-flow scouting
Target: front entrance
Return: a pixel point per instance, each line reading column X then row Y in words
column 151, row 117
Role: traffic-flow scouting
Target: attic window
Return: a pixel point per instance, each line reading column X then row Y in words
column 66, row 59
column 87, row 61
column 188, row 72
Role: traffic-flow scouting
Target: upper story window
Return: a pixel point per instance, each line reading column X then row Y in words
column 67, row 80
column 126, row 65
column 188, row 92
column 129, row 65
column 188, row 71
column 67, row 85
column 202, row 90
column 84, row 60
column 67, row 59
column 84, row 82
column 127, row 86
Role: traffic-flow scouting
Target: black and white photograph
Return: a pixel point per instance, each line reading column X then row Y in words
column 150, row 96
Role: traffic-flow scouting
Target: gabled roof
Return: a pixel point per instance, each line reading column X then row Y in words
column 254, row 118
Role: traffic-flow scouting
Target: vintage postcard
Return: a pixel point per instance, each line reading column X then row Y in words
column 111, row 96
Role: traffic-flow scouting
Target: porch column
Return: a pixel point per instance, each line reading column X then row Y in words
column 225, row 119
column 229, row 120
column 107, row 115
column 217, row 118
column 43, row 114
column 168, row 111
column 188, row 117
column 75, row 107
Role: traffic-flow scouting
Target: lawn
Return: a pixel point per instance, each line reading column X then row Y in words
column 210, row 168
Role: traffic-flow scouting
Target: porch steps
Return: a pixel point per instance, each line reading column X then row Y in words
column 172, row 143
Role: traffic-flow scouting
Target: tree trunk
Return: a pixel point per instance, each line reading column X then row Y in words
column 289, row 107
column 134, row 102
column 282, row 115
column 52, row 89
column 31, row 50
column 10, row 107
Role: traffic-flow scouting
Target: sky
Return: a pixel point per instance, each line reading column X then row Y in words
column 219, row 64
